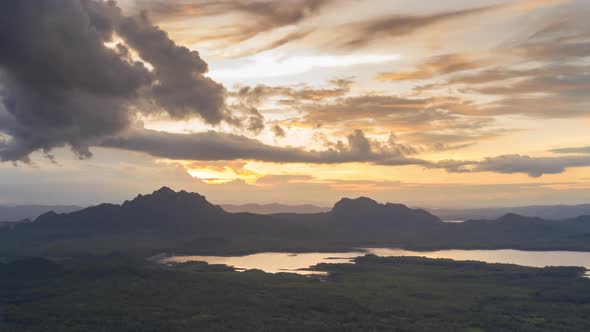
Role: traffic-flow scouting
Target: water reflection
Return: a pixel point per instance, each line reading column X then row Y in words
column 518, row 257
column 273, row 262
column 297, row 262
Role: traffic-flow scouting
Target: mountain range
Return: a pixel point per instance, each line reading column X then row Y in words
column 17, row 213
column 552, row 212
column 183, row 222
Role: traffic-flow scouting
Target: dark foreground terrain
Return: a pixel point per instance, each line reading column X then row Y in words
column 120, row 293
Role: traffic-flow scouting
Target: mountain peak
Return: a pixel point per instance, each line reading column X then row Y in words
column 169, row 203
column 164, row 191
column 47, row 216
column 511, row 215
column 365, row 207
column 359, row 204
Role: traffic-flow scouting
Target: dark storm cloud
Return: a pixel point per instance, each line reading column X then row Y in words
column 181, row 87
column 61, row 86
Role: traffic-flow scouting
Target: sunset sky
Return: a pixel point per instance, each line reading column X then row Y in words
column 457, row 103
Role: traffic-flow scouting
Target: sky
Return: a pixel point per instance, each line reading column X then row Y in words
column 458, row 103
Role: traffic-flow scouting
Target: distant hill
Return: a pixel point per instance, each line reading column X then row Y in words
column 183, row 222
column 552, row 212
column 21, row 212
column 274, row 208
column 367, row 210
column 12, row 224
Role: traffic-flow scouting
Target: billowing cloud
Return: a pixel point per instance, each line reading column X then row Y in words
column 61, row 85
column 180, row 87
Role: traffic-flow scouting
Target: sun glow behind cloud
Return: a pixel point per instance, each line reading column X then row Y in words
column 220, row 173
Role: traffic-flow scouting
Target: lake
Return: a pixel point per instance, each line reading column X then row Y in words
column 294, row 262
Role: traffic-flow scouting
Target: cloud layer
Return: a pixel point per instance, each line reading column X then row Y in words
column 222, row 146
column 81, row 73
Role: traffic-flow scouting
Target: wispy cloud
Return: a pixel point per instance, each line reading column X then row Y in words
column 272, row 64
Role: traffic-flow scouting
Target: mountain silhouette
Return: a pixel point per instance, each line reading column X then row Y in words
column 163, row 207
column 551, row 212
column 366, row 209
column 170, row 221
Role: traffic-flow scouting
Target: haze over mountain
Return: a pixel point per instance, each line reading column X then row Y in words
column 553, row 212
column 169, row 221
column 20, row 212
